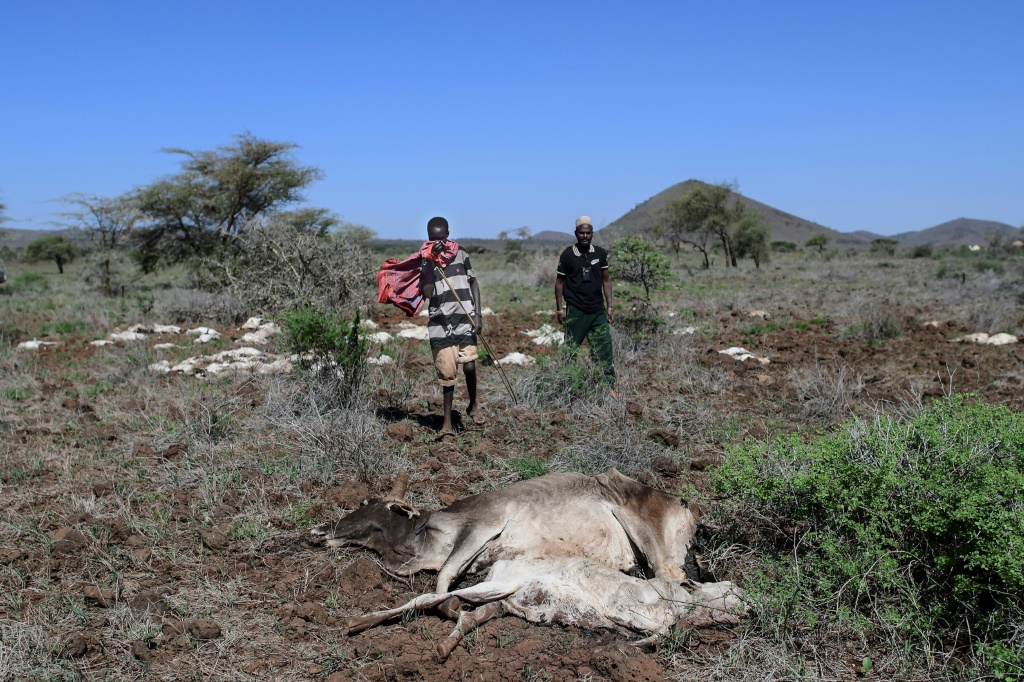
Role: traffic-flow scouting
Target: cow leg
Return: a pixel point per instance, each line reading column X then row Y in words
column 648, row 543
column 450, row 608
column 480, row 593
column 467, row 547
column 469, row 621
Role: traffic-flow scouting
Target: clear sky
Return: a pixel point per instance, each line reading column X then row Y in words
column 884, row 116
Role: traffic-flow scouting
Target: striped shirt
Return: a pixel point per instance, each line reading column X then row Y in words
column 449, row 325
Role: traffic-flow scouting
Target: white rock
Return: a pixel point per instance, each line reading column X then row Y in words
column 381, row 360
column 378, row 337
column 742, row 355
column 1001, row 339
column 759, row 314
column 166, row 329
column 419, row 333
column 545, row 313
column 161, row 366
column 546, row 336
column 934, row 324
column 206, row 338
column 281, row 365
column 101, row 342
column 35, row 344
column 186, row 366
column 252, row 323
column 127, row 336
column 686, row 331
column 487, row 312
column 203, row 331
column 164, row 346
column 978, row 337
column 367, row 324
column 518, row 359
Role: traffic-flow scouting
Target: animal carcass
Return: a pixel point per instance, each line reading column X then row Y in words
column 577, row 592
column 609, row 519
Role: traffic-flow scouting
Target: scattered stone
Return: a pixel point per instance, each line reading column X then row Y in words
column 664, row 437
column 67, row 541
column 214, row 538
column 103, row 488
column 348, row 495
column 127, row 336
column 76, row 646
column 401, row 431
column 69, row 404
column 140, row 650
column 413, row 331
column 378, row 337
column 204, row 628
column 381, row 360
column 621, row 662
column 35, row 344
column 665, row 466
column 8, row 555
column 150, row 601
column 99, row 596
column 760, row 314
column 312, row 612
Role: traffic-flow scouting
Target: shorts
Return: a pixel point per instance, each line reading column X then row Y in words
column 448, row 359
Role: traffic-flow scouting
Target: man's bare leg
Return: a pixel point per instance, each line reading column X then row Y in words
column 470, row 370
column 448, row 398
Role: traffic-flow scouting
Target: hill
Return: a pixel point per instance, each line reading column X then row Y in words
column 784, row 226
column 959, row 232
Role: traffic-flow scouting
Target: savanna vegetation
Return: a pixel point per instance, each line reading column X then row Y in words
column 864, row 487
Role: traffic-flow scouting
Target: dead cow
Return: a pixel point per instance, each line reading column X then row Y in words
column 578, row 592
column 609, row 519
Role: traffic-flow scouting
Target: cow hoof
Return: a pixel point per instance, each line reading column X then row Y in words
column 450, row 608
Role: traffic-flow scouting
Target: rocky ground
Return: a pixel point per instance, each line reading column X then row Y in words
column 155, row 526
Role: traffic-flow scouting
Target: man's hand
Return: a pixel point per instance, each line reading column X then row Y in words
column 560, row 316
column 478, row 321
column 611, row 316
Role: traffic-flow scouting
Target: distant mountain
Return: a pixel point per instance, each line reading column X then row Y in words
column 784, row 226
column 868, row 236
column 554, row 236
column 19, row 239
column 959, row 232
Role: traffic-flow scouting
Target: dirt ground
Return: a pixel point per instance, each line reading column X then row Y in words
column 129, row 549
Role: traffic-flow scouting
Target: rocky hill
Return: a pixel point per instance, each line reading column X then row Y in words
column 784, row 226
column 960, row 232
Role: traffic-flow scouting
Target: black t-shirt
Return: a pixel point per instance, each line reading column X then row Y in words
column 584, row 277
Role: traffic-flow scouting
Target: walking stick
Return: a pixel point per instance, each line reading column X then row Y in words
column 501, row 371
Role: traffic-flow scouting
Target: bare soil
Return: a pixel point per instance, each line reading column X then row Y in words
column 120, row 562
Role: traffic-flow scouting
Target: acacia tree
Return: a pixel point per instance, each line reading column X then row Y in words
column 514, row 253
column 818, row 241
column 751, row 238
column 204, row 208
column 108, row 221
column 704, row 213
column 55, row 248
column 638, row 262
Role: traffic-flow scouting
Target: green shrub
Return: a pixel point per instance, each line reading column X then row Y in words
column 915, row 524
column 329, row 346
column 32, row 281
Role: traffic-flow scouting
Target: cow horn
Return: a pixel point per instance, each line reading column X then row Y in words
column 401, row 486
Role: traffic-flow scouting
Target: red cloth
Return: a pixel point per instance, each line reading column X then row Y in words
column 447, row 255
column 398, row 283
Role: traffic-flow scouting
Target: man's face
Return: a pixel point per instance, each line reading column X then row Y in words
column 584, row 234
column 437, row 233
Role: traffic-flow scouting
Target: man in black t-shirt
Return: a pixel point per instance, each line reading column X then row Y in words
column 584, row 281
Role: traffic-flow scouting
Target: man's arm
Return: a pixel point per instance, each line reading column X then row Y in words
column 474, row 288
column 559, row 286
column 426, row 278
column 606, row 284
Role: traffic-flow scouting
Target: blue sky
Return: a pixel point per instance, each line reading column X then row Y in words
column 887, row 116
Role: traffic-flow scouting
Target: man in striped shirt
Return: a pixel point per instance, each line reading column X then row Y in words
column 454, row 316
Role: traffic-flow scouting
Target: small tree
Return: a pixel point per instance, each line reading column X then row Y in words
column 56, row 248
column 107, row 221
column 886, row 247
column 704, row 212
column 751, row 238
column 203, row 209
column 514, row 251
column 638, row 262
column 818, row 241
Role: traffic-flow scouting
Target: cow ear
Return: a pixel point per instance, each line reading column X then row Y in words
column 403, row 507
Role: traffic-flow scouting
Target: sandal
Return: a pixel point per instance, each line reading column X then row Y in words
column 442, row 435
column 477, row 419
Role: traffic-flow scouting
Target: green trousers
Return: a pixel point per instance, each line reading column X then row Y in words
column 595, row 328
